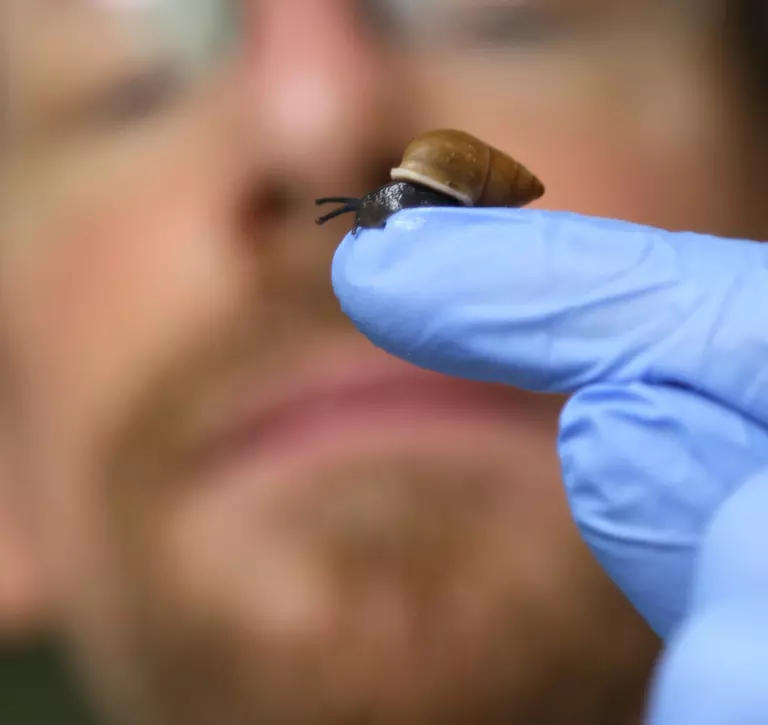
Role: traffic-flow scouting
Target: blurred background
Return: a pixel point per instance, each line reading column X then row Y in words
column 651, row 111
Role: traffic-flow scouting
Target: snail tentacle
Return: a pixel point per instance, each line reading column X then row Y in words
column 337, row 200
column 348, row 204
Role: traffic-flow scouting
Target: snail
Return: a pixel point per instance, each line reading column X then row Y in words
column 443, row 167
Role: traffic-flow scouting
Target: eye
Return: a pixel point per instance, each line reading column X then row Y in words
column 134, row 98
column 190, row 38
column 521, row 23
column 383, row 17
column 491, row 22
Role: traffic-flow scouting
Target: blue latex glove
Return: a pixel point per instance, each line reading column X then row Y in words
column 662, row 339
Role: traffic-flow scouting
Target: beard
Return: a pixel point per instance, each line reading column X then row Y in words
column 402, row 590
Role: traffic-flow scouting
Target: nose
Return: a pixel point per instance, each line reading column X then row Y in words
column 322, row 96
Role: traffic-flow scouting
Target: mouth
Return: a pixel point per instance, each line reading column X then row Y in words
column 351, row 400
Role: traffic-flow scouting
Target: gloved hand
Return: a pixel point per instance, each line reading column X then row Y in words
column 661, row 338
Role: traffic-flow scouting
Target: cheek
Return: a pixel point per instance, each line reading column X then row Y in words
column 113, row 291
column 654, row 152
column 99, row 300
column 90, row 316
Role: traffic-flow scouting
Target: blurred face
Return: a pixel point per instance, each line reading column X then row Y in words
column 233, row 507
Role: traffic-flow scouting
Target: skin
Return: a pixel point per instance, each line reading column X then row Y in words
column 397, row 554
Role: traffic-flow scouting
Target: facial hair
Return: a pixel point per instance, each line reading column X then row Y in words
column 427, row 610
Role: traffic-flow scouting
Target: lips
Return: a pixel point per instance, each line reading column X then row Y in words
column 336, row 398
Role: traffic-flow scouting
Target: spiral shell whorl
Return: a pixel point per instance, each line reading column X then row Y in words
column 474, row 173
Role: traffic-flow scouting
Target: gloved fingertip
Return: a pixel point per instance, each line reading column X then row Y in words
column 476, row 292
column 406, row 286
column 368, row 285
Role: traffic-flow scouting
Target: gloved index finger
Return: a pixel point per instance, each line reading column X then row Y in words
column 553, row 301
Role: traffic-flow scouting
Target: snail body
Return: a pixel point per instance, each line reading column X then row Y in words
column 443, row 167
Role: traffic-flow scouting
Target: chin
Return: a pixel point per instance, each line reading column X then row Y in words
column 430, row 580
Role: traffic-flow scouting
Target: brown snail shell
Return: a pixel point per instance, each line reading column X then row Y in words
column 467, row 169
column 443, row 167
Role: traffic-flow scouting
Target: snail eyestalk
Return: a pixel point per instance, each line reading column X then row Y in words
column 348, row 204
